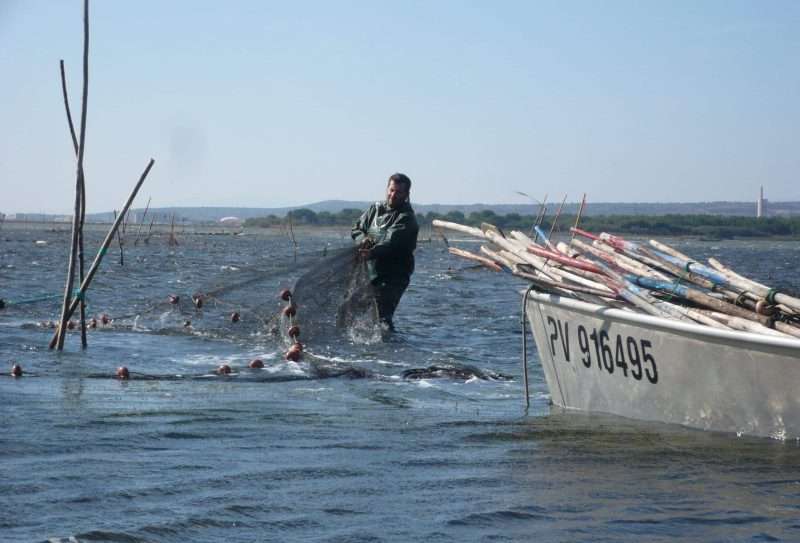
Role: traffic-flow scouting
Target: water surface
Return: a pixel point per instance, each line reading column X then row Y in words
column 342, row 448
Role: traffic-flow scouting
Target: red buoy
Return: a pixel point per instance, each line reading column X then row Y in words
column 293, row 354
column 123, row 374
column 286, row 294
column 105, row 319
column 71, row 325
column 174, row 299
column 256, row 363
column 93, row 323
column 297, row 345
column 16, row 370
column 224, row 369
column 235, row 316
column 290, row 310
column 294, row 331
column 197, row 300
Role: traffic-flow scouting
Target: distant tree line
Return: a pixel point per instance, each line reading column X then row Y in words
column 711, row 226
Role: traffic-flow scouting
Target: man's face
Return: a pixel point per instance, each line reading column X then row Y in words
column 396, row 194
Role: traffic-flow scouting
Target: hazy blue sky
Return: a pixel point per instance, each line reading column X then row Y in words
column 261, row 103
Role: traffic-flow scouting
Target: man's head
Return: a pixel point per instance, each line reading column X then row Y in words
column 398, row 190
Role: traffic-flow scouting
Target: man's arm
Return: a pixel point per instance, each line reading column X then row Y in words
column 359, row 230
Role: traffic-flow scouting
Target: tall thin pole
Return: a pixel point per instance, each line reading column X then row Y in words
column 62, row 327
column 75, row 145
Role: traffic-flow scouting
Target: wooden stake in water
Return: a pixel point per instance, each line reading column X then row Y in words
column 75, row 145
column 76, row 220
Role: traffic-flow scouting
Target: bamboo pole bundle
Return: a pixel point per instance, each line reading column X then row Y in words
column 629, row 260
column 582, row 275
column 769, row 294
column 470, row 230
column 509, row 263
column 664, row 248
column 492, row 265
column 662, row 283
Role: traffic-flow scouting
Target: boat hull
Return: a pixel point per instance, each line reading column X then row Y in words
column 623, row 363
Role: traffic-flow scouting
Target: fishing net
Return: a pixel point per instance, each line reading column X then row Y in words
column 335, row 297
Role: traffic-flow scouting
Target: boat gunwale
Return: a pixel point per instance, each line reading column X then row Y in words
column 696, row 330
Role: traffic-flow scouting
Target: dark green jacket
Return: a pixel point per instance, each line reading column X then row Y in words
column 394, row 232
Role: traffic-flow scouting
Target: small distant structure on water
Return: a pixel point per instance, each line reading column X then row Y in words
column 761, row 204
column 231, row 221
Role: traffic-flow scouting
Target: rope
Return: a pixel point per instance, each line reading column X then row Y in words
column 770, row 297
column 740, row 299
column 33, row 300
column 76, row 293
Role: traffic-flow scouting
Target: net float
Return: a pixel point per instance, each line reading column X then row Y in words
column 235, row 316
column 294, row 331
column 293, row 354
column 256, row 363
column 71, row 325
column 197, row 300
column 93, row 323
column 123, row 373
column 290, row 310
column 16, row 370
column 224, row 369
column 174, row 299
column 297, row 346
column 286, row 294
column 105, row 319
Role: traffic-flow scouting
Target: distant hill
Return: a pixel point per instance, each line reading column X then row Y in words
column 214, row 214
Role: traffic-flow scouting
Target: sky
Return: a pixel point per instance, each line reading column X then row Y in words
column 273, row 103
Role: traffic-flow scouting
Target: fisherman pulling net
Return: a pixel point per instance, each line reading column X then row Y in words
column 358, row 289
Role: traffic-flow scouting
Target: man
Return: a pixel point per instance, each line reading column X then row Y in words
column 387, row 236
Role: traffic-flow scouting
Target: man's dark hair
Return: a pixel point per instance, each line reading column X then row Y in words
column 400, row 179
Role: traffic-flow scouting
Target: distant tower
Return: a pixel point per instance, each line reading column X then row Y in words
column 760, row 208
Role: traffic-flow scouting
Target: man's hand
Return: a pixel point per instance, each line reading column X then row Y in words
column 365, row 247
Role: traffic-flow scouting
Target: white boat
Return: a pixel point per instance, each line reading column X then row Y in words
column 615, row 361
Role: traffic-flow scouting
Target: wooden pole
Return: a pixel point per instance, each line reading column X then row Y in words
column 75, row 145
column 79, row 183
column 141, row 223
column 578, row 217
column 555, row 219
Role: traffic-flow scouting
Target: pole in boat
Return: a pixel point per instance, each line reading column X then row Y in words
column 578, row 217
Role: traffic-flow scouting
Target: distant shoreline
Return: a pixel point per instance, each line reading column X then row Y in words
column 724, row 228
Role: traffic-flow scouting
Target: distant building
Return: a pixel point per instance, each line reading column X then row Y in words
column 761, row 204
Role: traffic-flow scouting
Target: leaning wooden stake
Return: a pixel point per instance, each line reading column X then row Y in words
column 100, row 254
column 76, row 220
